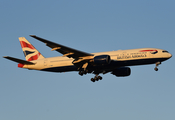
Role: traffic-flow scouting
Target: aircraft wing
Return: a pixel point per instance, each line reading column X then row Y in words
column 66, row 51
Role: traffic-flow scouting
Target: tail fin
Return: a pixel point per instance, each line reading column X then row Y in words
column 29, row 50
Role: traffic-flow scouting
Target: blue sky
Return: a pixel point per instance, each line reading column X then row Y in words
column 90, row 26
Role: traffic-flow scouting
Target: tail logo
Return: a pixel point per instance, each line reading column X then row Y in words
column 29, row 51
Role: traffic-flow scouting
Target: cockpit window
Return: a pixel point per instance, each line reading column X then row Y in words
column 165, row 51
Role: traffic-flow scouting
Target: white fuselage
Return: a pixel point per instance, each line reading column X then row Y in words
column 119, row 58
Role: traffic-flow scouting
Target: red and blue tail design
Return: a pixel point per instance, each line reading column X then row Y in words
column 29, row 50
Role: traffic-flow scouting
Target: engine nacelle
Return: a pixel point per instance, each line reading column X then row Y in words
column 102, row 60
column 122, row 72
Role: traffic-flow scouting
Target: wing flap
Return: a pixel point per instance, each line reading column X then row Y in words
column 19, row 60
column 66, row 51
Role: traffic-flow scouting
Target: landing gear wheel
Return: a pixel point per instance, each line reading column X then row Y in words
column 92, row 79
column 81, row 73
column 157, row 64
column 96, row 78
column 156, row 69
column 99, row 77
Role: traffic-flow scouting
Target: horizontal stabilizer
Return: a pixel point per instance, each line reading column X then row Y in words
column 19, row 60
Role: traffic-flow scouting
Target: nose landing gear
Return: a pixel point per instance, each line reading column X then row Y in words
column 157, row 64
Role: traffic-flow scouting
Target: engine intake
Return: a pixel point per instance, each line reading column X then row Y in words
column 102, row 59
column 122, row 72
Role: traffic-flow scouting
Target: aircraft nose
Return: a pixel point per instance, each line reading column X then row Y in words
column 169, row 55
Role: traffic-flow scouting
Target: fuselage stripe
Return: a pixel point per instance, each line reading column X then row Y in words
column 147, row 50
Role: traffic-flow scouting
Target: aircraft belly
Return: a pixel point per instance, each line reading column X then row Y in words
column 61, row 69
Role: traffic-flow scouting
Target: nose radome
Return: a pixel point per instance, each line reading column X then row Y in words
column 169, row 55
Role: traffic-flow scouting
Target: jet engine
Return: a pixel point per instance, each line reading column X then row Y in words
column 122, row 72
column 102, row 60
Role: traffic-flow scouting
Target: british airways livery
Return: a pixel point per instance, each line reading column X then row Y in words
column 114, row 62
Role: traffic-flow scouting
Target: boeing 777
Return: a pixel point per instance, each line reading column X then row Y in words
column 114, row 62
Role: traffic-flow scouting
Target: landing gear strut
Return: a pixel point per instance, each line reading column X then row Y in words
column 157, row 64
column 96, row 78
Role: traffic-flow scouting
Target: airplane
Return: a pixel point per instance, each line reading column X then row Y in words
column 114, row 62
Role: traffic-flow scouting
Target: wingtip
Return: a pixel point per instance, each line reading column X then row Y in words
column 32, row 35
column 5, row 56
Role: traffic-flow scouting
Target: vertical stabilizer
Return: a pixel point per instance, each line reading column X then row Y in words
column 29, row 50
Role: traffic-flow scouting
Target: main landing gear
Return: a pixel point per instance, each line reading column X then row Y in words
column 96, row 78
column 157, row 64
